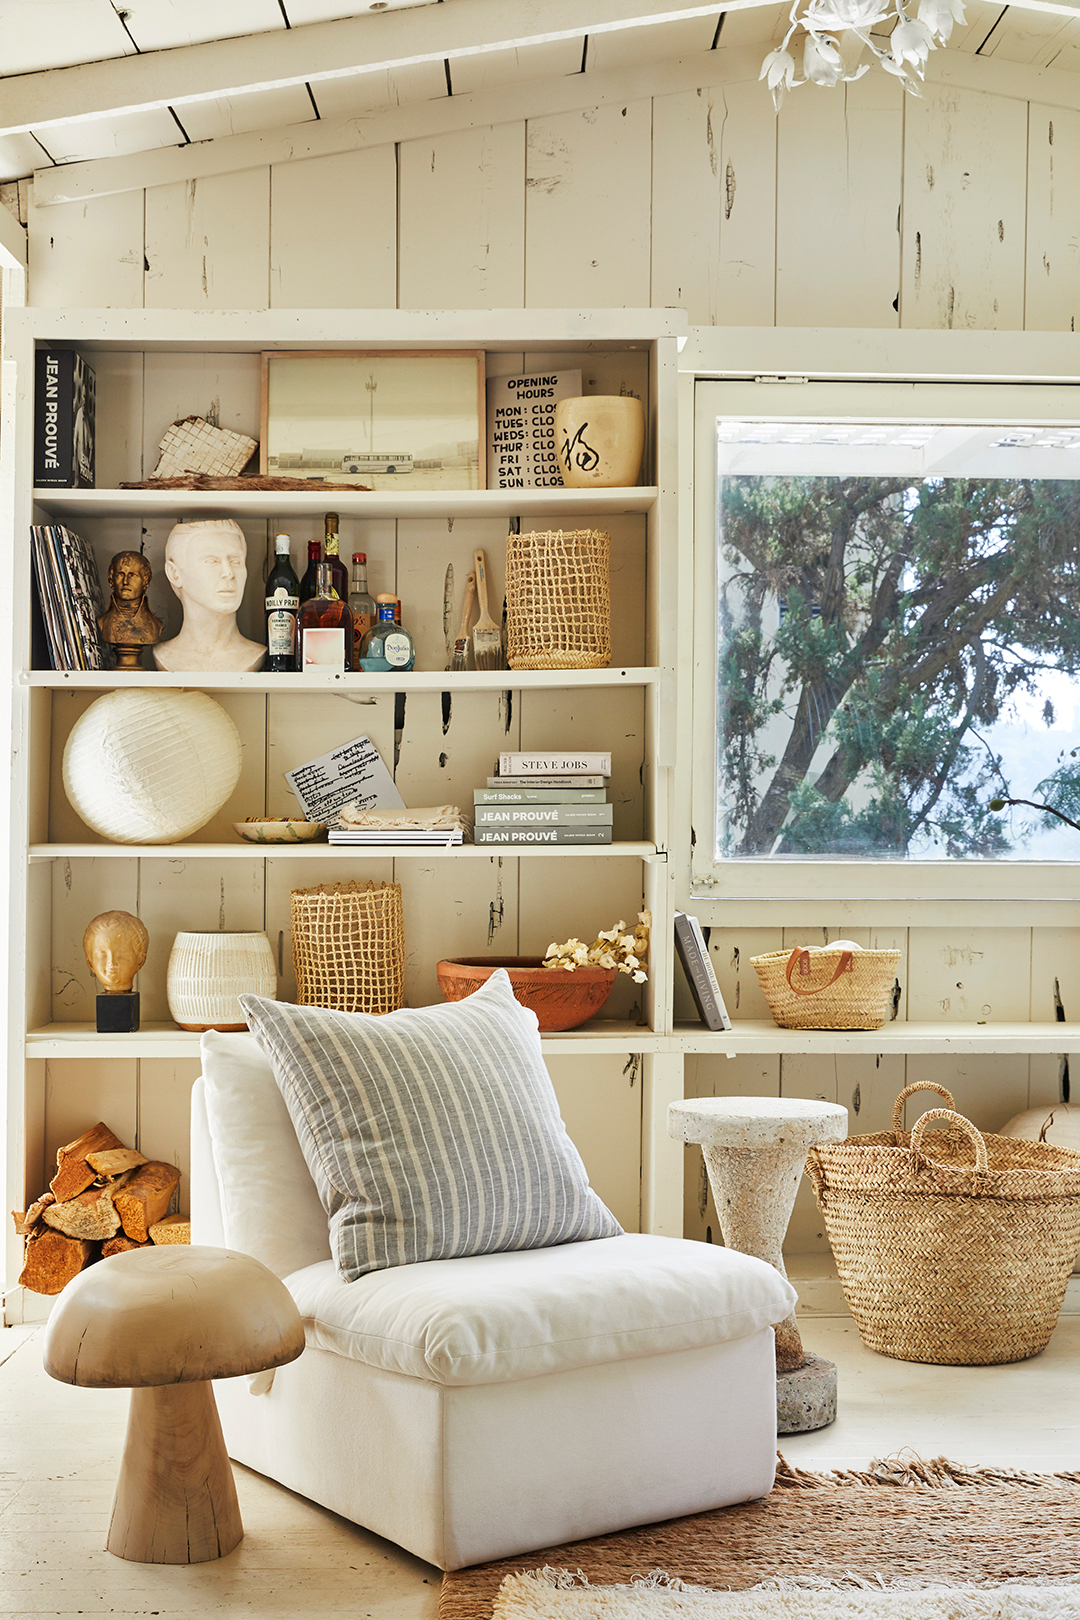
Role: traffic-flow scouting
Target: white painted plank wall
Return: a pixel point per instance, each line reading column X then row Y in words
column 855, row 207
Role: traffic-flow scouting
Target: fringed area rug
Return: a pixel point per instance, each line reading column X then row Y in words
column 896, row 1539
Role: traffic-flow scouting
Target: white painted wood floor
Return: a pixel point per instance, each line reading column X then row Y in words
column 59, row 1449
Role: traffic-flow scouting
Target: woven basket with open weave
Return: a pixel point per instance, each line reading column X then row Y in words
column 955, row 1247
column 558, row 601
column 827, row 989
column 349, row 947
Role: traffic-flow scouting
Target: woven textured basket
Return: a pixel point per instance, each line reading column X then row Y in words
column 348, row 944
column 558, row 601
column 954, row 1249
column 826, row 989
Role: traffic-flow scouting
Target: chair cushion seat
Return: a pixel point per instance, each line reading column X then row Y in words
column 497, row 1318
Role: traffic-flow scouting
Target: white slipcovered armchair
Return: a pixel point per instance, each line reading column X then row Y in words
column 477, row 1408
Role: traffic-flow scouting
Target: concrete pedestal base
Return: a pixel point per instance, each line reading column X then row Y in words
column 806, row 1397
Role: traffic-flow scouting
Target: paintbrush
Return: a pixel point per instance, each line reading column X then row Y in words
column 486, row 640
column 461, row 646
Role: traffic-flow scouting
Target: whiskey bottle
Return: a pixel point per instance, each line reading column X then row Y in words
column 339, row 574
column 387, row 640
column 282, row 610
column 310, row 582
column 326, row 631
column 361, row 603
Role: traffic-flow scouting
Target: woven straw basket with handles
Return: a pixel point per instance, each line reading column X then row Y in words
column 952, row 1247
column 830, row 988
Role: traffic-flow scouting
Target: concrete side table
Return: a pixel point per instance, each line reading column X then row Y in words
column 755, row 1149
column 163, row 1322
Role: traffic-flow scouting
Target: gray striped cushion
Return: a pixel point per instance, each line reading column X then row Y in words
column 430, row 1132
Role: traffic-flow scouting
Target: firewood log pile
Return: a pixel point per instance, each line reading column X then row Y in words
column 103, row 1199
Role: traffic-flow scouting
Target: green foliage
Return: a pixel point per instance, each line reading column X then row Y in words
column 910, row 615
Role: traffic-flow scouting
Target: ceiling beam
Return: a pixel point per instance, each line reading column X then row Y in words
column 320, row 51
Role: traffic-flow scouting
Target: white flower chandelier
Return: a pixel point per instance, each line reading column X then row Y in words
column 827, row 61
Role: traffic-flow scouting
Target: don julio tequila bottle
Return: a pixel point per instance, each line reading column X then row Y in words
column 326, row 629
column 387, row 640
column 282, row 609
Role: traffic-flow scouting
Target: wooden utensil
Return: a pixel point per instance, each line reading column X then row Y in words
column 487, row 642
column 461, row 646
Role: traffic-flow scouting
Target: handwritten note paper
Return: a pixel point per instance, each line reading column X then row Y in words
column 353, row 773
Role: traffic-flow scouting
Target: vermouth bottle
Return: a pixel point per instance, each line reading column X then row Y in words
column 361, row 603
column 339, row 574
column 326, row 630
column 282, row 610
column 388, row 640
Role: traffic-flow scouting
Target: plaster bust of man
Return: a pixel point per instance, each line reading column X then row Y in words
column 115, row 944
column 206, row 565
column 128, row 623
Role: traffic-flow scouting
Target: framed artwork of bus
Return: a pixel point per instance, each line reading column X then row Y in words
column 388, row 419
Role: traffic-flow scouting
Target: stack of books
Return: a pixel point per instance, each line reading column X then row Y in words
column 545, row 798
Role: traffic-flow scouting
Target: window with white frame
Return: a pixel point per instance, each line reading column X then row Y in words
column 888, row 590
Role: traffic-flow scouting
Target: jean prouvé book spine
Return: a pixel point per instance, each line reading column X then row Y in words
column 64, row 413
column 694, row 956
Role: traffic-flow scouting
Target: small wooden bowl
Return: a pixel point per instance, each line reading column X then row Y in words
column 281, row 831
column 560, row 1000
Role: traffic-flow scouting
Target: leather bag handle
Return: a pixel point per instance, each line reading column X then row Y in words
column 801, row 956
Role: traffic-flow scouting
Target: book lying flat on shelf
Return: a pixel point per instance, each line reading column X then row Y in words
column 539, row 795
column 542, row 835
column 535, row 782
column 440, row 838
column 543, row 815
column 555, row 763
column 69, row 590
column 694, row 956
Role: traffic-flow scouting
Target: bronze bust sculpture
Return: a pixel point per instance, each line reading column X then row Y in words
column 128, row 625
column 115, row 944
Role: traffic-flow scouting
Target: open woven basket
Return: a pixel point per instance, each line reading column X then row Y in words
column 348, row 943
column 827, row 989
column 558, row 600
column 952, row 1247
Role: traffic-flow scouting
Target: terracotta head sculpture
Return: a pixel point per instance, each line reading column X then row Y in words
column 115, row 944
column 206, row 565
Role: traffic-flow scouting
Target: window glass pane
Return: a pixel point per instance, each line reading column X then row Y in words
column 899, row 641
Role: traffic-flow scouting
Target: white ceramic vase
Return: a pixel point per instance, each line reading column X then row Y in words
column 600, row 439
column 207, row 972
column 145, row 767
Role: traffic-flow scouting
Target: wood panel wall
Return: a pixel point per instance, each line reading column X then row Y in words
column 856, row 207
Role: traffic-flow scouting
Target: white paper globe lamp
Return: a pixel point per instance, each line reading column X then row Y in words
column 144, row 767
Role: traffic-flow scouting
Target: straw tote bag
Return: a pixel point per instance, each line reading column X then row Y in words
column 952, row 1248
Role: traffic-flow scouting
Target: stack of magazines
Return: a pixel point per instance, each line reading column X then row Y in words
column 441, row 826
column 69, row 591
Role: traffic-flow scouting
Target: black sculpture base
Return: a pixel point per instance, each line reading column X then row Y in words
column 118, row 1014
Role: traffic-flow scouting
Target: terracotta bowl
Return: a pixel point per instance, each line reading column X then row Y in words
column 559, row 999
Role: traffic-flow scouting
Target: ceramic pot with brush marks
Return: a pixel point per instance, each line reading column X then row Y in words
column 600, row 440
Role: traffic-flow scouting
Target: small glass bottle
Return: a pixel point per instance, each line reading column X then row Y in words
column 339, row 574
column 282, row 611
column 326, row 631
column 362, row 604
column 310, row 582
column 387, row 640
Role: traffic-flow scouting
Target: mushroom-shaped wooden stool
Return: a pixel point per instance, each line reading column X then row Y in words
column 755, row 1149
column 162, row 1322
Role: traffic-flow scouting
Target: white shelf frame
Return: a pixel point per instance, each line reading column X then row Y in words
column 169, row 1041
column 241, row 851
column 72, row 504
column 413, row 680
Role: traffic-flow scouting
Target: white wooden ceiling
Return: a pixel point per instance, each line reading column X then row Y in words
column 172, row 95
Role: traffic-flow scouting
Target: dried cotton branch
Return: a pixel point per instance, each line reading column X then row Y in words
column 612, row 948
